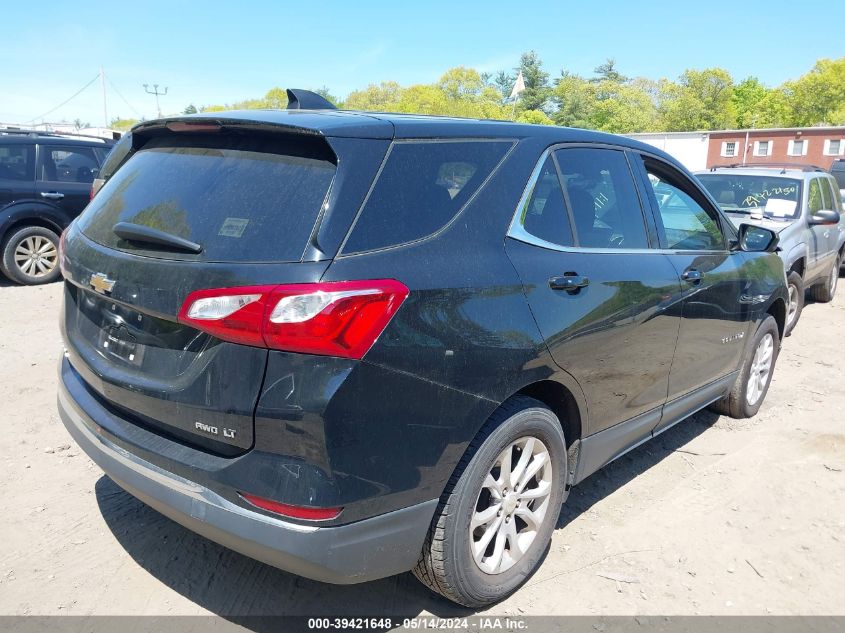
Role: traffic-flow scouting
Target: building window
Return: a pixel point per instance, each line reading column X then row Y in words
column 797, row 148
column 763, row 148
column 729, row 149
column 834, row 147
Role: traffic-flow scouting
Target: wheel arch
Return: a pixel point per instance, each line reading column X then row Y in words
column 561, row 401
column 799, row 265
column 22, row 215
column 778, row 310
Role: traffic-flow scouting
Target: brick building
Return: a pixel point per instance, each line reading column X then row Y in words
column 699, row 150
column 807, row 146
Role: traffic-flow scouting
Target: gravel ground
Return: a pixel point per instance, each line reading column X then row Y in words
column 716, row 516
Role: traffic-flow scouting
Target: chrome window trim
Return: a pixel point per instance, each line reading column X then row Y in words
column 517, row 231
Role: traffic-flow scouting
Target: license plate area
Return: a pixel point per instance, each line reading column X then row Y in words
column 117, row 342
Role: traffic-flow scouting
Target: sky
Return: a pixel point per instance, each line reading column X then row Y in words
column 219, row 52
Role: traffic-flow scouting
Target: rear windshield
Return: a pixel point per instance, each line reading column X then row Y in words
column 422, row 187
column 241, row 199
column 773, row 196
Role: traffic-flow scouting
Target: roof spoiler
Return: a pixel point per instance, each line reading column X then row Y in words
column 299, row 99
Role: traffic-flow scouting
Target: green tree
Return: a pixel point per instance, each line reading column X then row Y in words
column 622, row 108
column 276, row 98
column 818, row 97
column 701, row 100
column 758, row 106
column 461, row 83
column 191, row 109
column 502, row 81
column 574, row 98
column 607, row 72
column 537, row 91
column 382, row 97
column 538, row 117
column 328, row 96
column 122, row 124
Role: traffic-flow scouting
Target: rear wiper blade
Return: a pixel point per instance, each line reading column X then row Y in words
column 149, row 235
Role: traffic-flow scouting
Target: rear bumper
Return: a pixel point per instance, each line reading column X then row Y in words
column 364, row 550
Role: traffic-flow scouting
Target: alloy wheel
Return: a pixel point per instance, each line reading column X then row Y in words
column 512, row 505
column 761, row 367
column 792, row 309
column 36, row 256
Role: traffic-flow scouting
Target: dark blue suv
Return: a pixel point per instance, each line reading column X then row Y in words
column 45, row 182
column 352, row 345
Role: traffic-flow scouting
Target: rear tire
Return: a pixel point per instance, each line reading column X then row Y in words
column 752, row 384
column 795, row 286
column 31, row 256
column 825, row 291
column 481, row 500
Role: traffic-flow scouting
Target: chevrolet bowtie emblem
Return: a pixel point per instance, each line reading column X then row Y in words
column 100, row 283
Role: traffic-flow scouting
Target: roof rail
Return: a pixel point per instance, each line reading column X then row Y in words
column 29, row 132
column 782, row 166
column 299, row 99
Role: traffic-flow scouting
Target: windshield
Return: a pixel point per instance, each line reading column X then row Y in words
column 770, row 196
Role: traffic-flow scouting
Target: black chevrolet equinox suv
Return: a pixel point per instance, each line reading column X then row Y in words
column 352, row 345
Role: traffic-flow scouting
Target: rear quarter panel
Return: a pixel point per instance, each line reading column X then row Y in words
column 463, row 341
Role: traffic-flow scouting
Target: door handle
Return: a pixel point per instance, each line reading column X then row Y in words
column 692, row 275
column 571, row 282
column 52, row 195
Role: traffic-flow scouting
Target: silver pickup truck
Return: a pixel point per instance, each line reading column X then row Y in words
column 803, row 205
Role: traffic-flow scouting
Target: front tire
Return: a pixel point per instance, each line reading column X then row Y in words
column 496, row 517
column 795, row 285
column 31, row 256
column 825, row 291
column 752, row 384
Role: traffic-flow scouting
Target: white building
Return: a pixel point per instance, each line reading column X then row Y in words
column 690, row 148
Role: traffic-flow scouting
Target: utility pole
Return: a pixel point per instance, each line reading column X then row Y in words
column 157, row 94
column 105, row 109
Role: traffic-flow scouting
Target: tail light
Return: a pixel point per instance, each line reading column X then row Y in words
column 96, row 185
column 295, row 512
column 342, row 318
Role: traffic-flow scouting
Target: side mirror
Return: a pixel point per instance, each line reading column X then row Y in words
column 824, row 217
column 756, row 239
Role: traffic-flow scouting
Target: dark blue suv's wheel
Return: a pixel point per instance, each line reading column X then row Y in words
column 31, row 256
column 497, row 514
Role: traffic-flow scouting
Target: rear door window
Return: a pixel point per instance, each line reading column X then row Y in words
column 67, row 164
column 600, row 190
column 17, row 162
column 544, row 214
column 422, row 186
column 242, row 199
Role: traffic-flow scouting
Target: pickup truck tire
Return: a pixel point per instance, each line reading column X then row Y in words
column 755, row 376
column 824, row 292
column 480, row 512
column 42, row 244
column 795, row 286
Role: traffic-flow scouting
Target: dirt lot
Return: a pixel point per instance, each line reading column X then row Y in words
column 715, row 517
